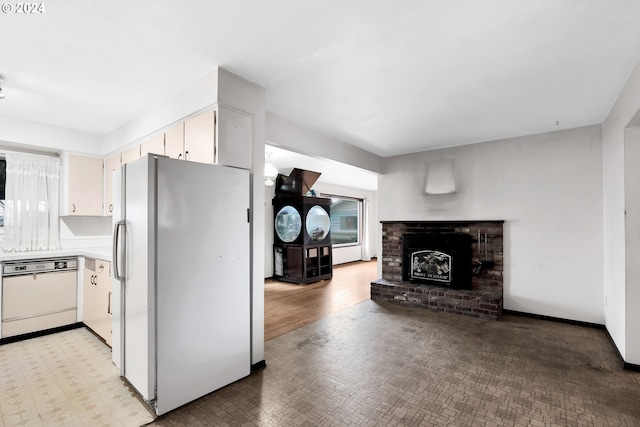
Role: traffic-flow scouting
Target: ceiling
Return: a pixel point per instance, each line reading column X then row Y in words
column 331, row 172
column 389, row 77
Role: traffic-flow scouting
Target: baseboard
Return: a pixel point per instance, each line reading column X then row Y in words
column 625, row 365
column 257, row 366
column 631, row 367
column 30, row 335
column 556, row 319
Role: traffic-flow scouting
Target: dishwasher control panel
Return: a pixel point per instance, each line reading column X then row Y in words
column 13, row 268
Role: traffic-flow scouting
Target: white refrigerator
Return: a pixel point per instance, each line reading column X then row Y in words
column 181, row 290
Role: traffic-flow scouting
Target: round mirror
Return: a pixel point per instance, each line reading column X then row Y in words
column 288, row 224
column 318, row 223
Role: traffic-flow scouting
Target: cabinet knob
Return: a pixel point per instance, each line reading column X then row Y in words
column 110, row 208
column 179, row 156
column 74, row 207
column 186, row 155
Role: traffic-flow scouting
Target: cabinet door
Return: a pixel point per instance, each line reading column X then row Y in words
column 199, row 133
column 84, row 188
column 89, row 299
column 96, row 298
column 294, row 262
column 153, row 145
column 131, row 154
column 174, row 141
column 103, row 285
column 233, row 138
column 110, row 165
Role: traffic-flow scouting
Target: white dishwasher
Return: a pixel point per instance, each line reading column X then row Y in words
column 38, row 295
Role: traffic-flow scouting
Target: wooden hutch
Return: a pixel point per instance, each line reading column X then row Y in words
column 302, row 237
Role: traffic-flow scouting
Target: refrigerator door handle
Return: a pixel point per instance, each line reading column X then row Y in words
column 118, row 255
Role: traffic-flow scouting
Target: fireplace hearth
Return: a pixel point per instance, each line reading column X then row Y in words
column 450, row 266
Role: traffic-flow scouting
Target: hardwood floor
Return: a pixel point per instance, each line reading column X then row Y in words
column 290, row 306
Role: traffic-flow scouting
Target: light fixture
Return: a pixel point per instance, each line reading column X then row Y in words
column 270, row 171
column 1, row 91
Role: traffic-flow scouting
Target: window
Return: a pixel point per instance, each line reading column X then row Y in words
column 345, row 220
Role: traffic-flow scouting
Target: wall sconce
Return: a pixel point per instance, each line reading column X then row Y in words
column 270, row 172
column 441, row 177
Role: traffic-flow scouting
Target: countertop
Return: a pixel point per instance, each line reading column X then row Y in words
column 103, row 253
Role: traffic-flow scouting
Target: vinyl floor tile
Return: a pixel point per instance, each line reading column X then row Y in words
column 64, row 379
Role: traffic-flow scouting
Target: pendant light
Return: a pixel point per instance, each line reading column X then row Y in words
column 270, row 171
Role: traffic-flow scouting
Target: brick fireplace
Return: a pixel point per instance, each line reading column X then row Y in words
column 450, row 266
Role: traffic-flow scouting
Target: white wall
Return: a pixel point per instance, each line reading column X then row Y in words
column 249, row 97
column 174, row 108
column 623, row 326
column 269, row 223
column 23, row 135
column 84, row 232
column 548, row 190
column 632, row 242
column 300, row 139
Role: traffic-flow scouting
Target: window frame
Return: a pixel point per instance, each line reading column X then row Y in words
column 360, row 205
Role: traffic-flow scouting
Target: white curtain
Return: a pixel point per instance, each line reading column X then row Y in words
column 32, row 207
column 366, row 253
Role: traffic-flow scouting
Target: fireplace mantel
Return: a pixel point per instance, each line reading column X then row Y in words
column 441, row 222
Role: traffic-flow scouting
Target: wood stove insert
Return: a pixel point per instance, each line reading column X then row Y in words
column 442, row 259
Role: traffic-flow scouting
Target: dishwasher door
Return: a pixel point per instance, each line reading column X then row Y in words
column 38, row 301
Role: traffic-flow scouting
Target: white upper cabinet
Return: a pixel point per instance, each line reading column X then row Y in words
column 199, row 138
column 153, row 145
column 131, row 154
column 234, row 137
column 110, row 165
column 222, row 135
column 83, row 185
column 218, row 136
column 174, row 141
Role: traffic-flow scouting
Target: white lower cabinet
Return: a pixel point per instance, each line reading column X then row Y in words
column 96, row 298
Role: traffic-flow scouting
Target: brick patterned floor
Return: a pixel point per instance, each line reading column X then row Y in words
column 376, row 364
